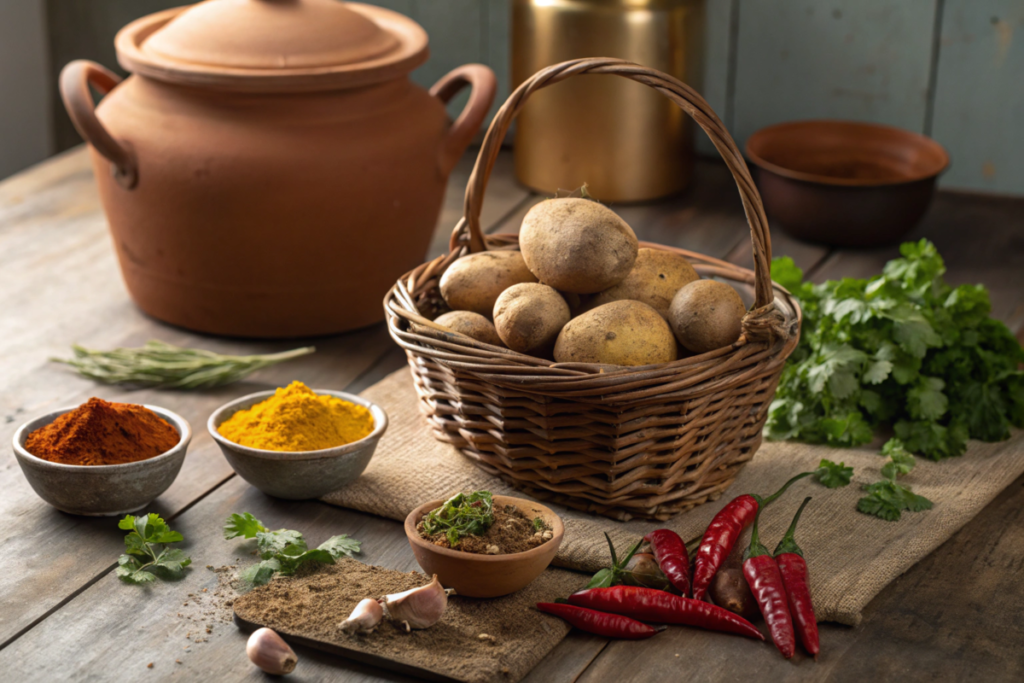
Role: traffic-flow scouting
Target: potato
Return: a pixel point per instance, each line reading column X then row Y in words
column 656, row 277
column 577, row 245
column 528, row 317
column 474, row 282
column 705, row 315
column 470, row 324
column 619, row 333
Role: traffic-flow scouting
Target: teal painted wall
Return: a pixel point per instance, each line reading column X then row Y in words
column 952, row 69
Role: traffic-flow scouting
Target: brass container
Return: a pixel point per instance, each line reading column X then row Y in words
column 627, row 142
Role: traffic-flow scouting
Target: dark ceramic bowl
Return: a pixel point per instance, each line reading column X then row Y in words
column 485, row 576
column 843, row 183
column 298, row 475
column 101, row 490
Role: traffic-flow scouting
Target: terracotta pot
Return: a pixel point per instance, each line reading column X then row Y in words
column 268, row 170
column 845, row 183
column 485, row 576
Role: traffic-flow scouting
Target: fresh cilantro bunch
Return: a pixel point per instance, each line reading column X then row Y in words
column 904, row 349
column 145, row 556
column 887, row 499
column 282, row 551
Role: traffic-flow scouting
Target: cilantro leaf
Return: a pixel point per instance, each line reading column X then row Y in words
column 260, row 573
column 925, row 401
column 786, row 273
column 887, row 500
column 145, row 552
column 286, row 541
column 833, row 475
column 341, row 545
column 244, row 525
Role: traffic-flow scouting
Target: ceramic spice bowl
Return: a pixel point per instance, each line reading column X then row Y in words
column 102, row 490
column 298, row 475
column 485, row 576
column 845, row 183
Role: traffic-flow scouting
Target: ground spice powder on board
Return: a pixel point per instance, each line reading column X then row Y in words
column 99, row 432
column 317, row 599
column 296, row 418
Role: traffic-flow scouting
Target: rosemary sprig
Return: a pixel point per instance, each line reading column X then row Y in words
column 158, row 364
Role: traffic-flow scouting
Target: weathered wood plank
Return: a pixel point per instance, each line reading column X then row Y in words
column 852, row 59
column 53, row 234
column 979, row 102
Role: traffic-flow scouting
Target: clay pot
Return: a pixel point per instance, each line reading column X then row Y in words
column 485, row 576
column 845, row 183
column 269, row 169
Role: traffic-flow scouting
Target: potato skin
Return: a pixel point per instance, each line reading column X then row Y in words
column 577, row 245
column 470, row 324
column 706, row 315
column 617, row 333
column 474, row 282
column 529, row 316
column 656, row 277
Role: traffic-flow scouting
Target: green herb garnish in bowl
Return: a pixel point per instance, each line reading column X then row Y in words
column 461, row 515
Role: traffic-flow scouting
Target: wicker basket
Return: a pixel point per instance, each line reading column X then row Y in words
column 644, row 442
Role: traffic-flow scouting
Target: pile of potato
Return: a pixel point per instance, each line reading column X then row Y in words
column 580, row 291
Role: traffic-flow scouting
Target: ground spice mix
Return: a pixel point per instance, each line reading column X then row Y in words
column 99, row 432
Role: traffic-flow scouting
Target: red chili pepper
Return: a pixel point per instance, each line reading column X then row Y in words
column 592, row 621
column 793, row 568
column 765, row 583
column 670, row 553
column 723, row 532
column 649, row 604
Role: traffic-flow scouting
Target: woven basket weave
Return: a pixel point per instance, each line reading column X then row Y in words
column 644, row 442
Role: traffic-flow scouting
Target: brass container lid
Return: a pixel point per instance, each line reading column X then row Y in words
column 273, row 45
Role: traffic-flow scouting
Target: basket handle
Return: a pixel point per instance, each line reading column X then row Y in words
column 468, row 230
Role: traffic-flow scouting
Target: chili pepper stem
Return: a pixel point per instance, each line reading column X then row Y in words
column 788, row 542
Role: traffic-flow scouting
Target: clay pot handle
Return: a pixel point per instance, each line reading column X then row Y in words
column 483, row 83
column 75, row 80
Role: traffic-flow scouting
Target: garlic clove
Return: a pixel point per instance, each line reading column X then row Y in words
column 419, row 607
column 268, row 651
column 364, row 618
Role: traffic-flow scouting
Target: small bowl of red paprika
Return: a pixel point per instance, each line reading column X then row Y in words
column 102, row 458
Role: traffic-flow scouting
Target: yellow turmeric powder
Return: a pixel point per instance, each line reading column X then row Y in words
column 295, row 418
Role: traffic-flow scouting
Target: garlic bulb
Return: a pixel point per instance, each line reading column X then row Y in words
column 418, row 608
column 268, row 651
column 364, row 618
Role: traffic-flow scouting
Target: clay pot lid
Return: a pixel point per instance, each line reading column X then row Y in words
column 273, row 45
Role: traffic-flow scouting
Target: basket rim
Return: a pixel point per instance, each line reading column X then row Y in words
column 462, row 352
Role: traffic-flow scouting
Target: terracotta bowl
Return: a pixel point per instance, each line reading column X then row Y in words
column 844, row 183
column 485, row 576
column 298, row 475
column 102, row 490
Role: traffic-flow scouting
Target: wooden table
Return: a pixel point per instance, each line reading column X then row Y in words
column 957, row 615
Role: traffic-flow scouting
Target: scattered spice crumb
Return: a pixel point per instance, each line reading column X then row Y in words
column 150, row 665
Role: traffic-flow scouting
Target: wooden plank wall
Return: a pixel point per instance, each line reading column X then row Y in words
column 946, row 68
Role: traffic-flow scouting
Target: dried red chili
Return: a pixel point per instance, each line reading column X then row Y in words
column 765, row 583
column 649, row 604
column 670, row 553
column 599, row 623
column 793, row 569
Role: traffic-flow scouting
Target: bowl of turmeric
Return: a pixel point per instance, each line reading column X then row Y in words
column 298, row 443
column 102, row 458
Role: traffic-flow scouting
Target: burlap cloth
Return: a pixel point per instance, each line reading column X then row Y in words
column 850, row 556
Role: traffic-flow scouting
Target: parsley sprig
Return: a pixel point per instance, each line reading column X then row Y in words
column 888, row 499
column 903, row 349
column 284, row 550
column 145, row 556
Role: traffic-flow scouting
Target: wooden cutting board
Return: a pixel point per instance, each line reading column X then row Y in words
column 306, row 610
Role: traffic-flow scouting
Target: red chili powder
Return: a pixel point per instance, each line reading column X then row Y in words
column 99, row 432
